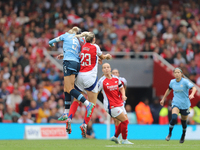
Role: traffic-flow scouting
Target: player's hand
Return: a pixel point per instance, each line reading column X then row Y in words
column 108, row 56
column 124, row 98
column 100, row 61
column 59, row 57
column 51, row 45
column 162, row 102
column 191, row 96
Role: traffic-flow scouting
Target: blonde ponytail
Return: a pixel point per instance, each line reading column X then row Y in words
column 74, row 30
column 83, row 34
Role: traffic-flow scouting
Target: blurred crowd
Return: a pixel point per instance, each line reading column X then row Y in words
column 31, row 87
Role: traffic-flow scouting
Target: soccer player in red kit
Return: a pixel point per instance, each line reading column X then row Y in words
column 110, row 86
column 124, row 83
column 86, row 80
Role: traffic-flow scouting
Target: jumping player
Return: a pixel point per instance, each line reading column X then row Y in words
column 180, row 102
column 86, row 80
column 113, row 104
column 71, row 67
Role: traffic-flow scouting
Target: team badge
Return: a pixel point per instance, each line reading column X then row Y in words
column 181, row 85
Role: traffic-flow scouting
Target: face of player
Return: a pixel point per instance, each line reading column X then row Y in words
column 115, row 72
column 177, row 74
column 106, row 69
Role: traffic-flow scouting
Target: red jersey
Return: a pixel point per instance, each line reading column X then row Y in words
column 89, row 57
column 110, row 89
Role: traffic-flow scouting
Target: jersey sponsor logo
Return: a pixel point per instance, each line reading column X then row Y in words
column 86, row 48
column 177, row 91
column 112, row 87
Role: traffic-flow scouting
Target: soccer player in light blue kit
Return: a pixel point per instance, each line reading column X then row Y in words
column 71, row 67
column 180, row 102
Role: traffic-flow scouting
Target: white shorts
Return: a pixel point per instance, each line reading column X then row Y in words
column 116, row 111
column 86, row 82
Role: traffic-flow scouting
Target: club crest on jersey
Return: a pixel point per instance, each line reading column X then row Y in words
column 181, row 85
column 86, row 48
column 115, row 81
column 107, row 83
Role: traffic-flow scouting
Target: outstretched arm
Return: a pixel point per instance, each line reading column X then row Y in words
column 51, row 42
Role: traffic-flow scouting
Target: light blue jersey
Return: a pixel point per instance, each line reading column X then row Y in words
column 71, row 46
column 181, row 92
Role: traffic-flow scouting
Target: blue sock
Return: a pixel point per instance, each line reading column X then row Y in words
column 78, row 95
column 184, row 125
column 67, row 100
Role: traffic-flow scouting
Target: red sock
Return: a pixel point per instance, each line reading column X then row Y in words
column 87, row 119
column 118, row 130
column 124, row 129
column 116, row 127
column 73, row 109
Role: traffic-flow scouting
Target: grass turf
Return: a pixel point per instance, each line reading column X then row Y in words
column 88, row 144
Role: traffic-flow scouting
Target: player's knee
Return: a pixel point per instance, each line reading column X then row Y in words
column 67, row 89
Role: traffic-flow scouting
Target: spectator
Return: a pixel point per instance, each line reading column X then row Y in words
column 33, row 109
column 131, row 115
column 179, row 59
column 43, row 113
column 143, row 112
column 155, row 110
column 25, row 118
column 193, row 68
column 26, row 101
column 10, row 113
column 54, row 115
column 3, row 92
column 14, row 99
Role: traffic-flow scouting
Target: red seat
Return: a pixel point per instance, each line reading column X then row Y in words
column 7, row 121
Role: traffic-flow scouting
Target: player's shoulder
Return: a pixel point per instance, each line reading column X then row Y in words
column 185, row 80
column 173, row 80
column 122, row 78
column 102, row 79
column 97, row 46
column 115, row 77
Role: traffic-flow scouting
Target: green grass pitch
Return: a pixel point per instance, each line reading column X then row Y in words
column 88, row 144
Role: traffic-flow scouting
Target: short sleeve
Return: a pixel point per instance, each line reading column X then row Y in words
column 120, row 84
column 125, row 81
column 100, row 85
column 170, row 85
column 189, row 84
column 99, row 52
column 62, row 37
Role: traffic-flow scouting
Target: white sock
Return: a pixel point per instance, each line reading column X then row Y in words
column 66, row 111
column 86, row 103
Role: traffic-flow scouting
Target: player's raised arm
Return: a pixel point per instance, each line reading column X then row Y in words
column 55, row 40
